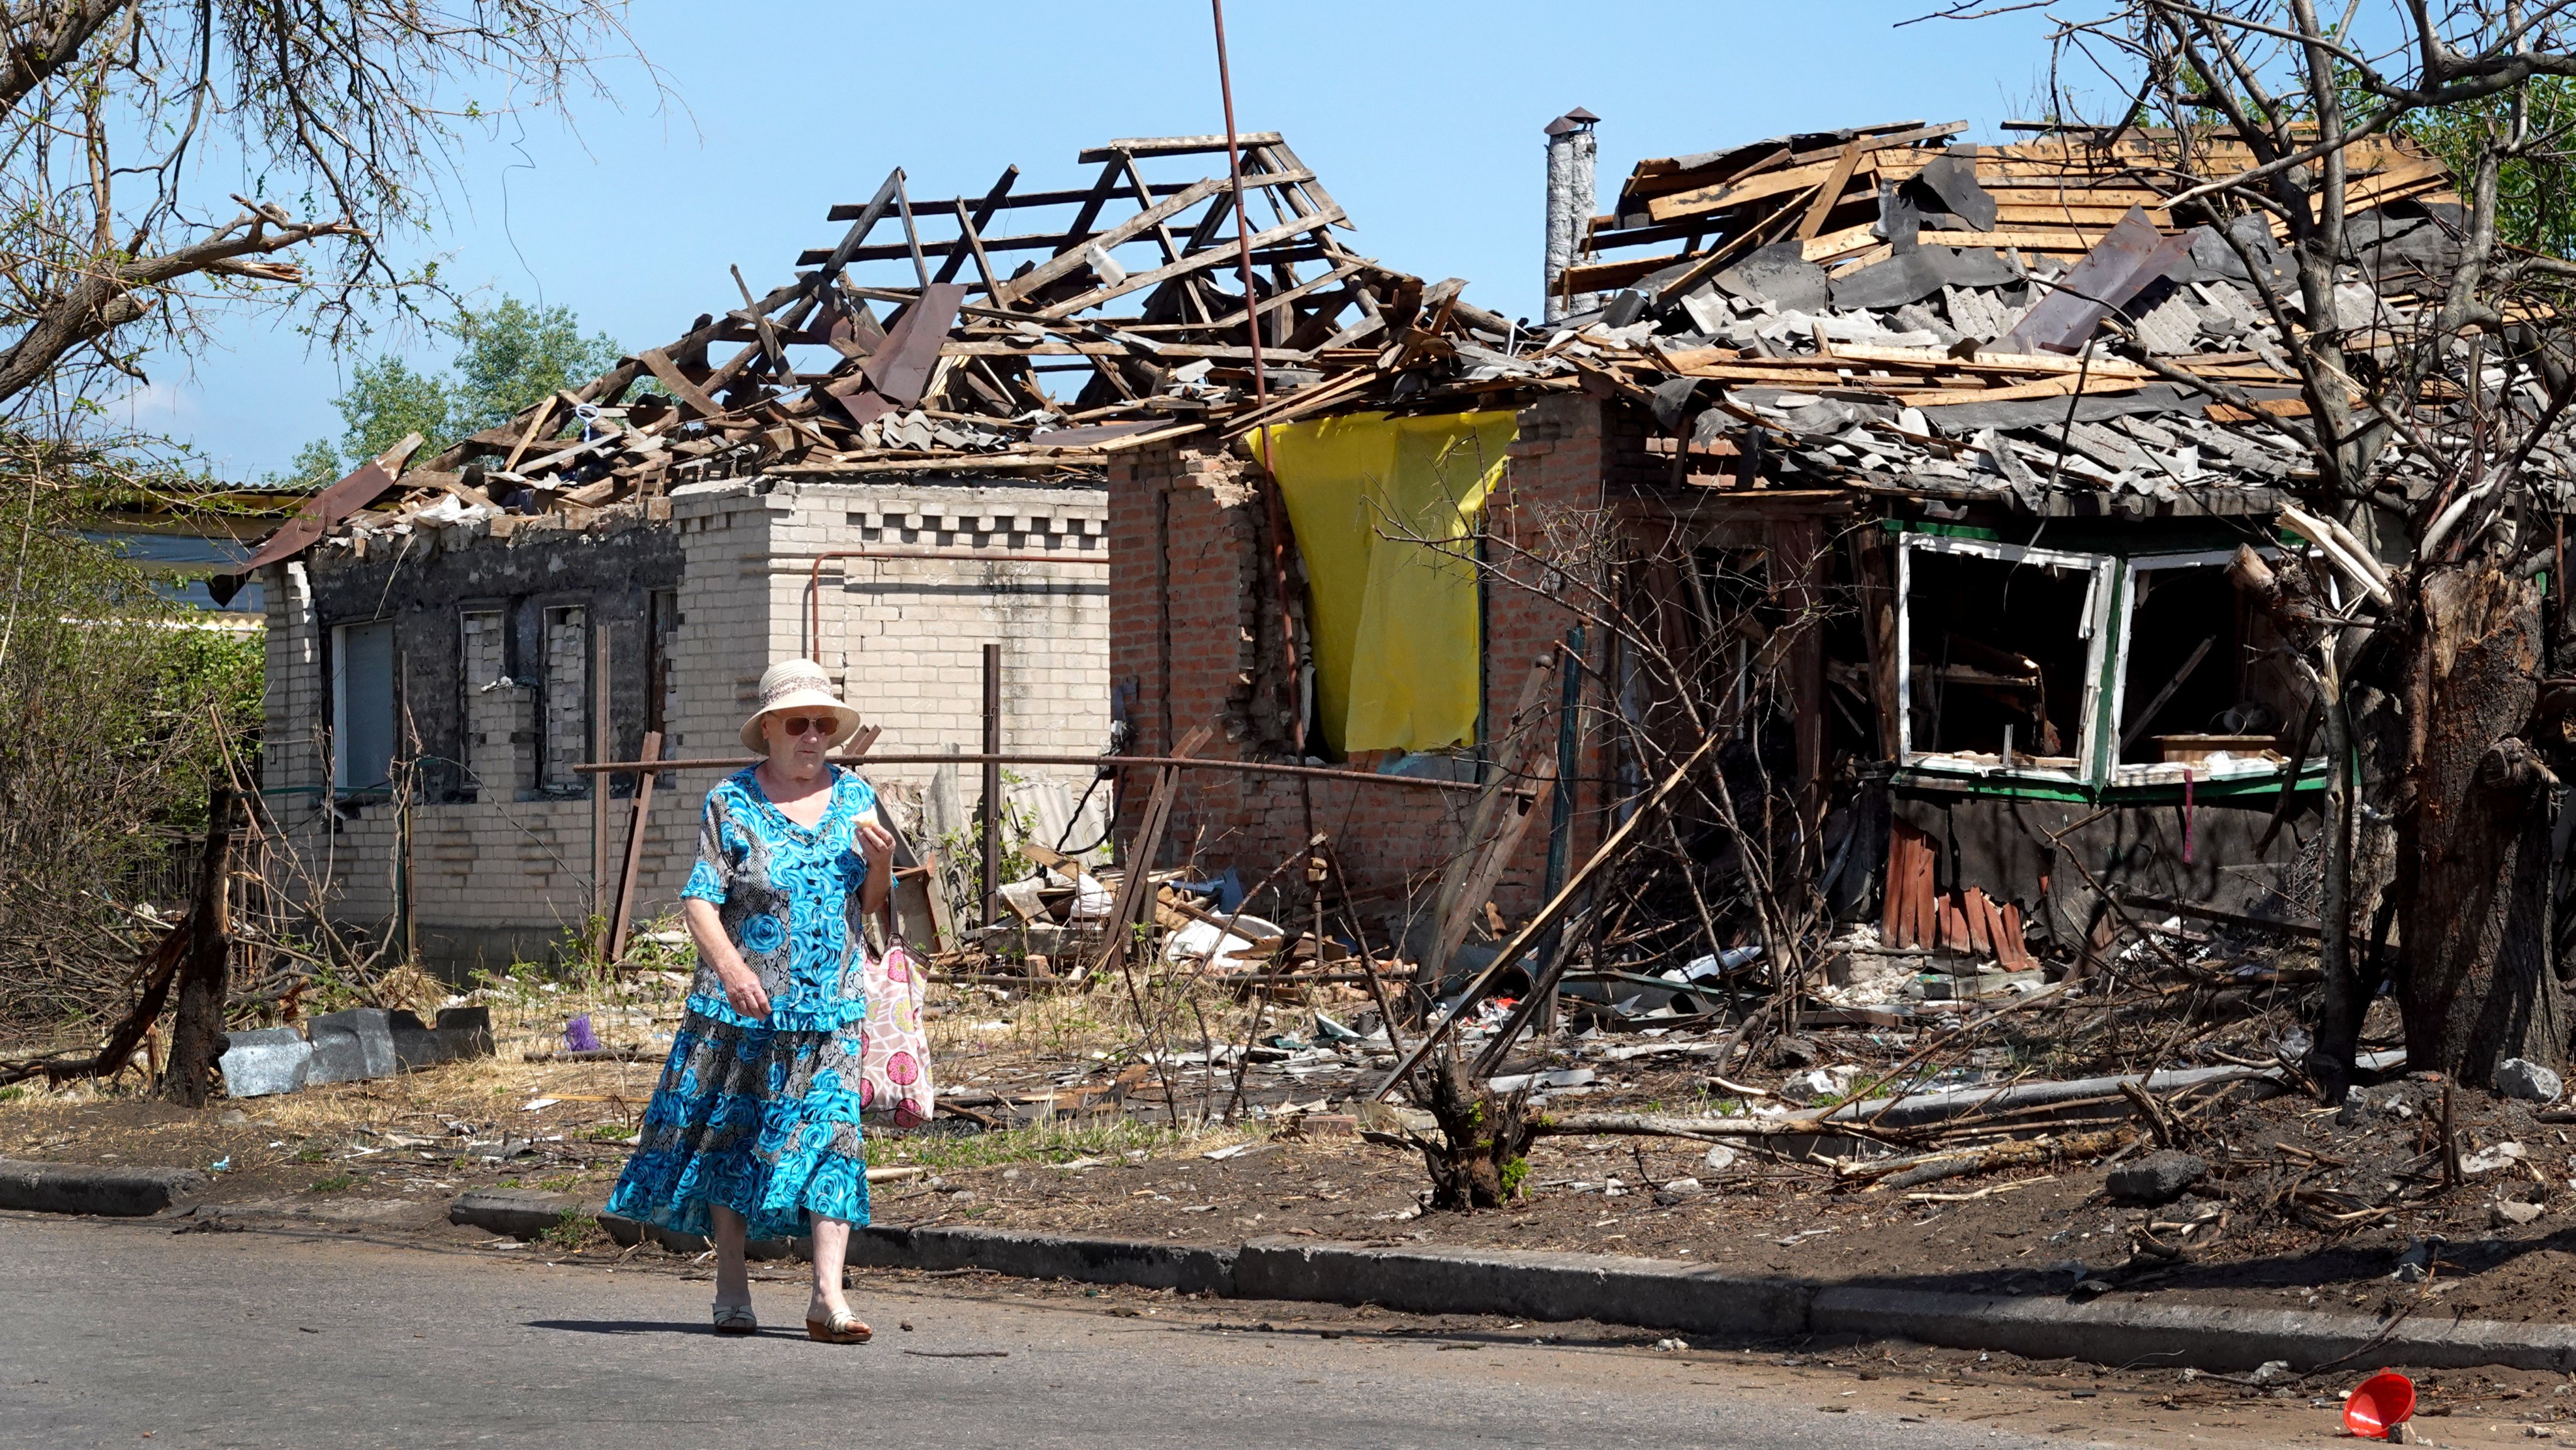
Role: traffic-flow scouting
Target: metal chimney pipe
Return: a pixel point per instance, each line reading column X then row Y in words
column 1570, row 150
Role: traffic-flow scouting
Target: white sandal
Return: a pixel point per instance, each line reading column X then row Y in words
column 843, row 1327
column 736, row 1319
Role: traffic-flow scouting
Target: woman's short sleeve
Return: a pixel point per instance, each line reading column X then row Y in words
column 712, row 878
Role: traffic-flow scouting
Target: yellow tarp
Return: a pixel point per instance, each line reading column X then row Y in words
column 1384, row 510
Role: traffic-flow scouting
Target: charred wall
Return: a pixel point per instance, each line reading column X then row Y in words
column 612, row 571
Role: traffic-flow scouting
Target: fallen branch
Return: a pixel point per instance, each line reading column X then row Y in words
column 1643, row 1125
column 2013, row 1153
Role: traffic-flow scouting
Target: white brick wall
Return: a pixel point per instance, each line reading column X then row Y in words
column 909, row 634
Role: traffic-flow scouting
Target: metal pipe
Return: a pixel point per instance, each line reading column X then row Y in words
column 1114, row 762
column 990, row 811
column 1274, row 509
column 1570, row 151
column 814, row 580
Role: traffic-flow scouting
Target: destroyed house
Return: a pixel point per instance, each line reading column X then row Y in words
column 887, row 462
column 1886, row 453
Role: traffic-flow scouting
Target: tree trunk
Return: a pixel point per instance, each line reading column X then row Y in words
column 2473, row 883
column 1484, row 1152
column 2347, row 987
column 205, row 979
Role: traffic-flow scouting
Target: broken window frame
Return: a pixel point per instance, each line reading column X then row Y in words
column 2090, row 628
column 2106, row 626
column 2171, row 773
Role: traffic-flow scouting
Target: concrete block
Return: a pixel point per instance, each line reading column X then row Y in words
column 519, row 1212
column 80, row 1188
column 353, row 1046
column 1049, row 1256
column 461, row 1032
column 265, row 1060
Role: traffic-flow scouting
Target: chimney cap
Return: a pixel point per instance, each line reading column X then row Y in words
column 1574, row 120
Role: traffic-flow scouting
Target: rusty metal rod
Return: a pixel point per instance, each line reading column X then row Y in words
column 988, row 812
column 1273, row 508
column 1120, row 762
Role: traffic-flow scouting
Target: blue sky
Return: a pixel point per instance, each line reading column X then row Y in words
column 1423, row 119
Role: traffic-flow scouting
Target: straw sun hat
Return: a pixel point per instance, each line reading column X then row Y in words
column 797, row 684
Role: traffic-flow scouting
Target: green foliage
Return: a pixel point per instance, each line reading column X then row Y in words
column 2535, row 192
column 573, row 1231
column 118, row 713
column 1515, row 1177
column 507, row 356
column 514, row 354
column 336, row 1183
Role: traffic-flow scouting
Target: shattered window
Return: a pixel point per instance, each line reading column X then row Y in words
column 2203, row 684
column 1997, row 654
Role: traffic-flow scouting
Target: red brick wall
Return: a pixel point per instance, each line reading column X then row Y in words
column 1189, row 626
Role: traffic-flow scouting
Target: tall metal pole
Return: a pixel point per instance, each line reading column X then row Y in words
column 991, row 811
column 1560, row 824
column 1274, row 515
column 599, row 786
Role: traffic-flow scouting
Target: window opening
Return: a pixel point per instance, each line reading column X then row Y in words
column 362, row 706
column 1997, row 658
column 483, row 665
column 567, row 738
column 2204, row 684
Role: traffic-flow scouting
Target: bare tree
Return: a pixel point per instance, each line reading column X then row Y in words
column 2434, row 403
column 114, row 113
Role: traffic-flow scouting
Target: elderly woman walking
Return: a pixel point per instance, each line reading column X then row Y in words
column 754, row 1130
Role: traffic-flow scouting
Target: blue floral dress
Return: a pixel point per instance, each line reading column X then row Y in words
column 762, row 1115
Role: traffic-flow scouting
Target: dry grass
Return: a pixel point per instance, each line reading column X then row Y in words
column 972, row 1031
column 1062, row 1140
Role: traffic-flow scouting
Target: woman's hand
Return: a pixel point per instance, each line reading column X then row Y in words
column 743, row 991
column 877, row 844
column 742, row 988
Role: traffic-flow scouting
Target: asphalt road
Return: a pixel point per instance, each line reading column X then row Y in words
column 127, row 1334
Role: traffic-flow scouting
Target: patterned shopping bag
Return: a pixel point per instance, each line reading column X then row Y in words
column 894, row 1076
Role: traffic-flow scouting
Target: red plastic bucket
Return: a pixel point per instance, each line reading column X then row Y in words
column 2385, row 1399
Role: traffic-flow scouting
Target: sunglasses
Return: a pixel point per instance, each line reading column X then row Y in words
column 798, row 725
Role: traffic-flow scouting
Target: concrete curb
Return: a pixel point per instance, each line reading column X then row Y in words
column 1665, row 1294
column 83, row 1188
column 1649, row 1293
column 2202, row 1336
column 1140, row 1262
column 522, row 1213
column 527, row 1213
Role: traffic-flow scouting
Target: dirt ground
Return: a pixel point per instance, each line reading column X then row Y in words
column 423, row 1138
column 2304, row 1207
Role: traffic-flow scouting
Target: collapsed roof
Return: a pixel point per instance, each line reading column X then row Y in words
column 1877, row 309
column 1873, row 309
column 1022, row 332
